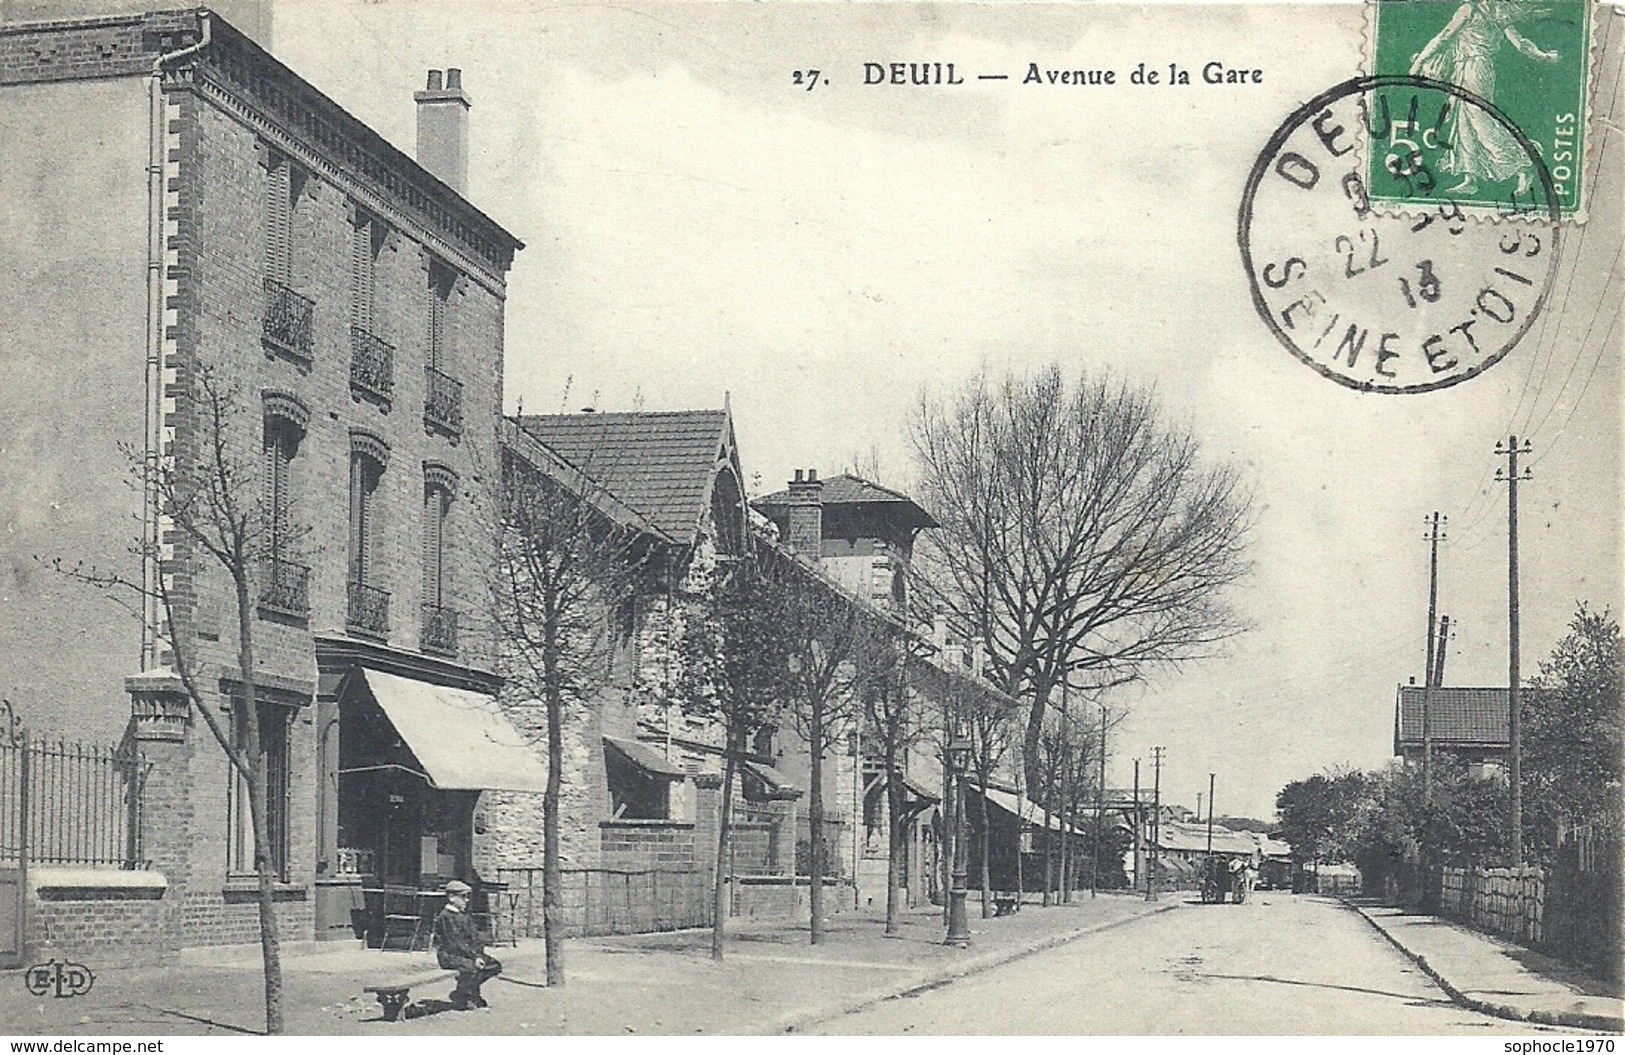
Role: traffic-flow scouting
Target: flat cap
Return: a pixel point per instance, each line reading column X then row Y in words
column 457, row 886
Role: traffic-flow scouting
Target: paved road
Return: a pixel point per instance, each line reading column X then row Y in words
column 1277, row 965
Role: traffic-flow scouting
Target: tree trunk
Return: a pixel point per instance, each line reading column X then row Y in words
column 1032, row 739
column 1067, row 849
column 552, row 867
column 815, row 822
column 1049, row 853
column 985, row 841
column 719, row 876
column 270, row 944
column 896, row 836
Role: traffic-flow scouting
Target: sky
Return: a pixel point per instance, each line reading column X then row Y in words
column 698, row 227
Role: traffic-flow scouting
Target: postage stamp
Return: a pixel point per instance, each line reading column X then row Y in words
column 1525, row 63
column 1389, row 302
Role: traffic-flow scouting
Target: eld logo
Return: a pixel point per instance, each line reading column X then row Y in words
column 59, row 979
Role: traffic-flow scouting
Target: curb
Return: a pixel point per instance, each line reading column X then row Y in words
column 803, row 1020
column 1572, row 1019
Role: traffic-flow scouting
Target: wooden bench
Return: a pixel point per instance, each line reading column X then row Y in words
column 1004, row 904
column 394, row 997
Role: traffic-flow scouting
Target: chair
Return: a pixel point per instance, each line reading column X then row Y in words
column 403, row 917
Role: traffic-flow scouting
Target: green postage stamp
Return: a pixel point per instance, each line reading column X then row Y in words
column 1508, row 134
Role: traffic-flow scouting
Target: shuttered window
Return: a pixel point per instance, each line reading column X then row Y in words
column 279, row 221
column 365, row 474
column 363, row 270
column 440, row 287
column 274, row 762
column 436, row 507
column 281, row 443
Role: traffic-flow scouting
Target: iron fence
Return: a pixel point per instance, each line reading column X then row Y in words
column 68, row 802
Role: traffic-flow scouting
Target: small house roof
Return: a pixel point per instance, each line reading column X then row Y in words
column 1457, row 717
column 849, row 490
column 659, row 463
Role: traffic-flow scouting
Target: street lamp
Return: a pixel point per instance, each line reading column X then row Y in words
column 959, row 749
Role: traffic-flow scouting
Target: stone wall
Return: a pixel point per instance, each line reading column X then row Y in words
column 1506, row 901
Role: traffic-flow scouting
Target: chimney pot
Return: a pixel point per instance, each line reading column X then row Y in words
column 797, row 480
column 434, row 80
column 812, row 475
column 454, row 79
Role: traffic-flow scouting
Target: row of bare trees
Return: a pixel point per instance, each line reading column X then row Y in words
column 1082, row 538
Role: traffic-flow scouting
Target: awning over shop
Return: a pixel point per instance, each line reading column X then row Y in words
column 646, row 758
column 1023, row 808
column 778, row 785
column 461, row 738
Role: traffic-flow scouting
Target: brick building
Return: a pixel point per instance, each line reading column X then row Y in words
column 189, row 205
column 642, row 783
column 1471, row 725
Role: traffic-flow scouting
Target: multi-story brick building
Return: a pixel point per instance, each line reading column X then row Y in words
column 187, row 205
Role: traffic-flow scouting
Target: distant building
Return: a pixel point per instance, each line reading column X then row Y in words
column 1467, row 724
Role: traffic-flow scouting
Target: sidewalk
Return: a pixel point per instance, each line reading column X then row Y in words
column 772, row 980
column 1494, row 976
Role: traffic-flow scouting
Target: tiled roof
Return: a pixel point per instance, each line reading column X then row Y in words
column 658, row 463
column 1457, row 716
column 847, row 489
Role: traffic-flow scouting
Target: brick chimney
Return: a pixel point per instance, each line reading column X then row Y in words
column 807, row 513
column 443, row 129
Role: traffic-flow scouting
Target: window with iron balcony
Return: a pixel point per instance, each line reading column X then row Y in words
column 372, row 359
column 286, row 325
column 367, row 608
column 443, row 400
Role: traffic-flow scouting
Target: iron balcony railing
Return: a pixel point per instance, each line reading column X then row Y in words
column 286, row 587
column 368, row 610
column 372, row 364
column 288, row 318
column 439, row 629
column 443, row 407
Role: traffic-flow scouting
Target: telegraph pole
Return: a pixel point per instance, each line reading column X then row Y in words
column 1156, row 824
column 1511, row 449
column 1100, row 807
column 1433, row 538
column 1209, row 814
column 1438, row 659
column 1139, row 850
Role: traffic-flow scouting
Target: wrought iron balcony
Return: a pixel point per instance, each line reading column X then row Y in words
column 439, row 630
column 443, row 408
column 372, row 364
column 285, row 588
column 288, row 319
column 368, row 610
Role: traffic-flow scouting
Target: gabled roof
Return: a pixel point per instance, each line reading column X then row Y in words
column 849, row 490
column 1457, row 717
column 659, row 464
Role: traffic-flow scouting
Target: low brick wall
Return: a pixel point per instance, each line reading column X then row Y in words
column 772, row 896
column 598, row 901
column 98, row 919
column 637, row 845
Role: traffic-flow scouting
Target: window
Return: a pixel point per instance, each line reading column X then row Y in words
column 443, row 403
column 368, row 605
column 442, row 280
column 372, row 359
column 439, row 619
column 284, row 585
column 274, row 722
column 287, row 325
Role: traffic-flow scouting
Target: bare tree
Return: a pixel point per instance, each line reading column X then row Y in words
column 1078, row 531
column 893, row 718
column 836, row 646
column 211, row 494
column 567, row 569
column 733, row 670
column 990, row 719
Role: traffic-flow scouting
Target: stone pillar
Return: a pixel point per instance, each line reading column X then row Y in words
column 161, row 725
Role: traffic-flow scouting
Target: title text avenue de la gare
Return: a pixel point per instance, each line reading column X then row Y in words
column 950, row 74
